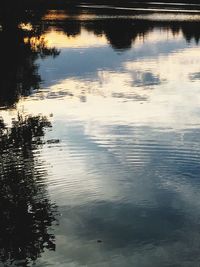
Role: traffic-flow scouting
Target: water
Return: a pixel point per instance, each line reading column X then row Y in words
column 99, row 139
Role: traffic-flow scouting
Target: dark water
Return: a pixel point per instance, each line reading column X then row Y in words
column 99, row 138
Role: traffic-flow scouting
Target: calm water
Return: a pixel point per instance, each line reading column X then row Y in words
column 99, row 140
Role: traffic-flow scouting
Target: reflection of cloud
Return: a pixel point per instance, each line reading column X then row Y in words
column 150, row 67
column 194, row 76
column 168, row 101
column 141, row 217
column 86, row 62
column 145, row 79
column 131, row 96
column 80, row 252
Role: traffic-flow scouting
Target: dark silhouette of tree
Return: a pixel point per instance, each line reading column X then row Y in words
column 26, row 213
column 120, row 31
column 20, row 47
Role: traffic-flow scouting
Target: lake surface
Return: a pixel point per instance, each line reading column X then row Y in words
column 99, row 140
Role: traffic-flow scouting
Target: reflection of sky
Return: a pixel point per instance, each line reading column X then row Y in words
column 135, row 188
column 85, row 60
column 153, row 74
column 127, row 168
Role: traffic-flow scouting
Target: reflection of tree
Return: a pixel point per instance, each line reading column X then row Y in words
column 19, row 49
column 121, row 31
column 191, row 31
column 26, row 212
